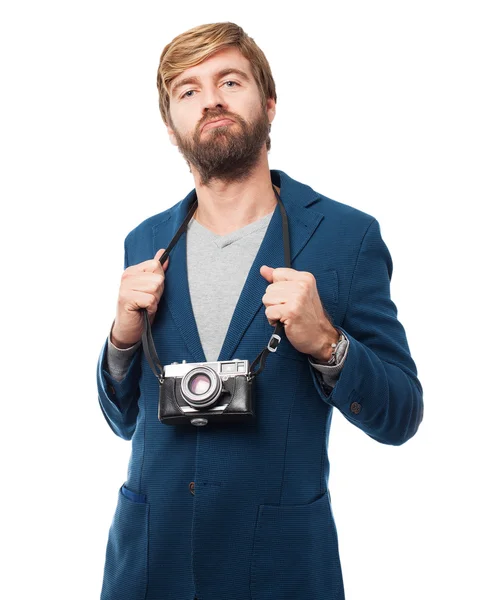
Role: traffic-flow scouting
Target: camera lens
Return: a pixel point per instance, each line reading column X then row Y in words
column 199, row 384
column 201, row 387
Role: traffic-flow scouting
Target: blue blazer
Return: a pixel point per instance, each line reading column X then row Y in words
column 243, row 512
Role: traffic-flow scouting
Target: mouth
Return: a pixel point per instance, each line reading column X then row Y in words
column 216, row 123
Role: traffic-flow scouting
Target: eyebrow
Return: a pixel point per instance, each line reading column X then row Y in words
column 219, row 75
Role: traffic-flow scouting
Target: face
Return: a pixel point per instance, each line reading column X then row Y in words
column 222, row 89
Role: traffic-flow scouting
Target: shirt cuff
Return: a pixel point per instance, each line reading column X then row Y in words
column 119, row 359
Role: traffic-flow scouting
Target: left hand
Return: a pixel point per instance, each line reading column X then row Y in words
column 292, row 298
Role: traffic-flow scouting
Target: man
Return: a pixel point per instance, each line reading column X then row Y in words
column 235, row 511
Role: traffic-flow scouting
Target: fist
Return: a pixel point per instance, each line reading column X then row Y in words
column 141, row 286
column 292, row 298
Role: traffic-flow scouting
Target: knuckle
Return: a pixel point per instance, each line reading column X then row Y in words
column 303, row 285
column 161, row 284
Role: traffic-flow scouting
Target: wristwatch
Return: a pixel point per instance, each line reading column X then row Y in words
column 338, row 351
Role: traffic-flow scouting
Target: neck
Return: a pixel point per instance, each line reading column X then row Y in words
column 224, row 207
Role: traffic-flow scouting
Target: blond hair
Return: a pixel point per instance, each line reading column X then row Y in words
column 196, row 45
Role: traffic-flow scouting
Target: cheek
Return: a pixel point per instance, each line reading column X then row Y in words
column 186, row 121
column 255, row 112
column 249, row 110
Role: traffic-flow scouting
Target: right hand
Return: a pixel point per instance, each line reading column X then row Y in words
column 141, row 286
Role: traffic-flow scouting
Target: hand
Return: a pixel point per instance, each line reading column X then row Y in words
column 141, row 286
column 292, row 298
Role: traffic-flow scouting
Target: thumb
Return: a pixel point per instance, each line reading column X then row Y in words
column 267, row 273
column 158, row 255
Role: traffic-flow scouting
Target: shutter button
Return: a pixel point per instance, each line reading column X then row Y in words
column 192, row 487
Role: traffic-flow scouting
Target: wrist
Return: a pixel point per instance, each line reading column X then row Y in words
column 121, row 345
column 120, row 342
column 325, row 351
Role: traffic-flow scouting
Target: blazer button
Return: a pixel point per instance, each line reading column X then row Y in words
column 192, row 487
column 355, row 407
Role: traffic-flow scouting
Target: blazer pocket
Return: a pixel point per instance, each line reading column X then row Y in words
column 134, row 497
column 295, row 553
column 328, row 289
column 126, row 563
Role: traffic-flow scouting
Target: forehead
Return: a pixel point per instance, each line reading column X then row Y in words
column 222, row 59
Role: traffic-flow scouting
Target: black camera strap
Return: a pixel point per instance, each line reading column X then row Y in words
column 147, row 338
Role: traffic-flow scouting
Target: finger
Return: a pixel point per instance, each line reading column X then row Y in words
column 148, row 282
column 285, row 274
column 151, row 266
column 273, row 287
column 158, row 256
column 272, row 298
column 143, row 282
column 283, row 287
column 273, row 314
column 141, row 300
column 273, row 322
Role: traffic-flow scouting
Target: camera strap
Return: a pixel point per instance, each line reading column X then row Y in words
column 147, row 338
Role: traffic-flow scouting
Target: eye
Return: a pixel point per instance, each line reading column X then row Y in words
column 188, row 93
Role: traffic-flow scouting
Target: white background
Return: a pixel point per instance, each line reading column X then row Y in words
column 377, row 108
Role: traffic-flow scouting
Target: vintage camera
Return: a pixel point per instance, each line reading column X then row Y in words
column 209, row 392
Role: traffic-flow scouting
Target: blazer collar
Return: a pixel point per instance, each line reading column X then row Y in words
column 301, row 205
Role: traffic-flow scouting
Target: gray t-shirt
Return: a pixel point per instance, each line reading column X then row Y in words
column 218, row 266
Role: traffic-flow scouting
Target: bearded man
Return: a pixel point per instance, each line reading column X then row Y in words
column 227, row 492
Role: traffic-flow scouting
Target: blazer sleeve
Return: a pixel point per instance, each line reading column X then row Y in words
column 119, row 399
column 378, row 389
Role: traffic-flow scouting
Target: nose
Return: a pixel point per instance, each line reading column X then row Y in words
column 213, row 98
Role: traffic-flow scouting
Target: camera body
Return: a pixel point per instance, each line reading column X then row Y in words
column 207, row 392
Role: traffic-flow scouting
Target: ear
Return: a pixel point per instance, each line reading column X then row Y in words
column 271, row 109
column 172, row 136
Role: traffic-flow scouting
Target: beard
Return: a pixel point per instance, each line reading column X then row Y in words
column 227, row 153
